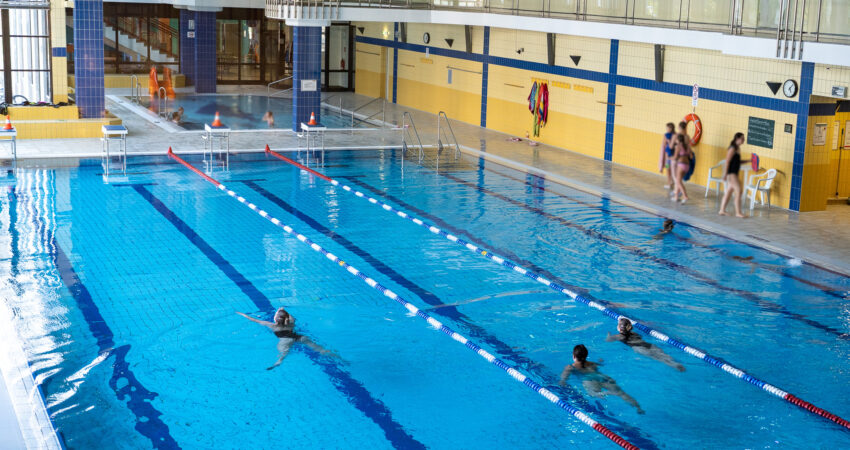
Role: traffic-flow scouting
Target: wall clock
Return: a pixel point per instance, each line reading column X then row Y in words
column 426, row 38
column 789, row 88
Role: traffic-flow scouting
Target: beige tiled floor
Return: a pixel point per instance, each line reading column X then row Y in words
column 819, row 237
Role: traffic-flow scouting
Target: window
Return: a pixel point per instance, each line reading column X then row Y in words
column 25, row 56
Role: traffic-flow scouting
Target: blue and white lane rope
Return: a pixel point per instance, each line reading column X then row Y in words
column 517, row 375
column 713, row 360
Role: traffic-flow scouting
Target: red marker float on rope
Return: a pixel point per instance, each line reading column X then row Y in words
column 697, row 127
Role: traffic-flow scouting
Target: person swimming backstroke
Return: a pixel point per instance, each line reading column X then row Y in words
column 641, row 347
column 284, row 328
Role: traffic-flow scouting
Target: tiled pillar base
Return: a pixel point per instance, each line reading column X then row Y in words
column 205, row 57
column 307, row 71
column 88, row 58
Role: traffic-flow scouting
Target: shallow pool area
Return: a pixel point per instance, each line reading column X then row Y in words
column 241, row 111
column 126, row 291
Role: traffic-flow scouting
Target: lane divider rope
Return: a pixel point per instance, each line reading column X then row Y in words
column 613, row 314
column 515, row 374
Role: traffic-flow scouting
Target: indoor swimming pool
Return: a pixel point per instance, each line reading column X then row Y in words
column 126, row 291
column 241, row 112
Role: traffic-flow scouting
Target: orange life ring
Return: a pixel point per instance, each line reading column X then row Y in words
column 697, row 127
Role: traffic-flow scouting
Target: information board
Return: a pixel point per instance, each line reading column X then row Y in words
column 760, row 132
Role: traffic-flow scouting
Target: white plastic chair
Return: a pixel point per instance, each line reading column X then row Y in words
column 717, row 179
column 762, row 185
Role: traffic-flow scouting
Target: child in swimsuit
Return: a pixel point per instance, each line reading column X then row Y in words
column 667, row 154
column 682, row 162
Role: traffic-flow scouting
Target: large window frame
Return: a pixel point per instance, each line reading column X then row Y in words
column 31, row 57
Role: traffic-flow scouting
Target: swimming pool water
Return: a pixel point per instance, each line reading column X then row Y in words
column 125, row 295
column 242, row 112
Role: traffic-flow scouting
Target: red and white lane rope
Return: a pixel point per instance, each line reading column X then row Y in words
column 515, row 374
column 693, row 351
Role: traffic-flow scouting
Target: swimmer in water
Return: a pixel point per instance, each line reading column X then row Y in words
column 284, row 328
column 595, row 383
column 641, row 347
column 269, row 118
column 666, row 228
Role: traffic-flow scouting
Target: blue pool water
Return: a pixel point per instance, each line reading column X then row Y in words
column 242, row 112
column 126, row 292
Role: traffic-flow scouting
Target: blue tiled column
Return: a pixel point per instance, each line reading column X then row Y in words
column 485, row 75
column 612, row 99
column 807, row 75
column 306, row 65
column 187, row 44
column 205, row 62
column 88, row 57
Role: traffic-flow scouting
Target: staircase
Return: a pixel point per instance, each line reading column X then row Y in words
column 161, row 38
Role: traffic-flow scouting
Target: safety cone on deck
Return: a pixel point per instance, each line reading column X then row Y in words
column 8, row 125
column 267, row 148
column 312, row 119
column 216, row 121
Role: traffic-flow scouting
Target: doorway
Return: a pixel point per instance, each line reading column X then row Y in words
column 839, row 186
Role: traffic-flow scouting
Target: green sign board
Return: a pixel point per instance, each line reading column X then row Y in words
column 760, row 132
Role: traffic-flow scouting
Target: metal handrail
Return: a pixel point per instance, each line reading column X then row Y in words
column 405, row 131
column 733, row 24
column 269, row 86
column 367, row 104
column 135, row 89
column 382, row 111
column 442, row 115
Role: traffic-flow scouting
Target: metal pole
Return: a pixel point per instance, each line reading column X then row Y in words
column 802, row 29
column 787, row 21
column 679, row 22
column 732, row 16
column 794, row 31
column 779, row 28
column 817, row 33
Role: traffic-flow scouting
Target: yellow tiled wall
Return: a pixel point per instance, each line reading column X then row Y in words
column 577, row 108
column 58, row 64
column 423, row 84
column 111, row 81
column 576, row 117
column 370, row 76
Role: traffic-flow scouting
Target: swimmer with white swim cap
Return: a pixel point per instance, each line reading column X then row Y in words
column 641, row 347
column 284, row 328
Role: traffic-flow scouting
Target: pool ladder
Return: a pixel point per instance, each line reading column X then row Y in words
column 406, row 126
column 135, row 90
column 162, row 103
column 445, row 138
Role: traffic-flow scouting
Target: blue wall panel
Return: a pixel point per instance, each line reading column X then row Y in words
column 88, row 58
column 306, row 65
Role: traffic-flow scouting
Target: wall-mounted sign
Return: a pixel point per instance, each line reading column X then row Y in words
column 760, row 132
column 191, row 24
column 819, row 135
column 789, row 128
column 308, row 85
column 839, row 91
column 835, row 130
column 695, row 96
column 190, row 34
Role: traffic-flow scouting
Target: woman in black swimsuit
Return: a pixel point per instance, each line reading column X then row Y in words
column 730, row 174
column 284, row 328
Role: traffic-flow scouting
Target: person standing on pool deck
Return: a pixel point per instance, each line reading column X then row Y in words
column 680, row 165
column 641, row 347
column 284, row 328
column 667, row 154
column 730, row 174
column 595, row 383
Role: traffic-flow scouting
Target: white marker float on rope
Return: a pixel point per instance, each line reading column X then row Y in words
column 513, row 373
column 715, row 361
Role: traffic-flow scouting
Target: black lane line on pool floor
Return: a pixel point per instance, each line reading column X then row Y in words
column 746, row 295
column 351, row 389
column 630, row 432
column 148, row 422
column 539, row 186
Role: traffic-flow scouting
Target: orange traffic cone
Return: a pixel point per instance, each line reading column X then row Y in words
column 217, row 121
column 312, row 119
column 8, row 125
